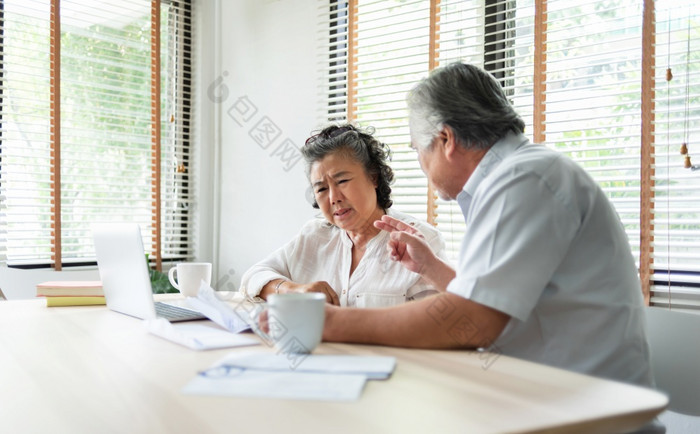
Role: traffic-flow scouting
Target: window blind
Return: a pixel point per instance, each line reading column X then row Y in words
column 105, row 120
column 177, row 144
column 25, row 145
column 586, row 114
column 575, row 71
column 675, row 249
column 593, row 105
column 391, row 55
column 103, row 152
column 387, row 55
column 498, row 37
column 333, row 61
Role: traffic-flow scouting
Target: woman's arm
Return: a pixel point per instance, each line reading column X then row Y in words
column 273, row 268
column 282, row 286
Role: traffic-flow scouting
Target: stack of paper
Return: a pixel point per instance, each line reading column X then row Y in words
column 282, row 376
column 221, row 313
column 71, row 293
column 203, row 337
column 197, row 336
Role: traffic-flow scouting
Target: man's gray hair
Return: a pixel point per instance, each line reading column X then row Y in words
column 467, row 99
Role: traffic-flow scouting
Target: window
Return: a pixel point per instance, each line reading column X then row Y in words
column 96, row 126
column 588, row 78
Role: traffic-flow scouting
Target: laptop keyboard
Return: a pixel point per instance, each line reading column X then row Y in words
column 176, row 313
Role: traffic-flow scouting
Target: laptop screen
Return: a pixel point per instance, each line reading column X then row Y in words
column 123, row 269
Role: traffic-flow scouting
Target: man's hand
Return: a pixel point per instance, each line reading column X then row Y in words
column 408, row 246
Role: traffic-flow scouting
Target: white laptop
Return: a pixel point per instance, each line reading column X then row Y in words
column 121, row 261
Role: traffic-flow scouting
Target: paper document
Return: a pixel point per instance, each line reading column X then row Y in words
column 197, row 336
column 373, row 367
column 280, row 385
column 314, row 377
column 220, row 312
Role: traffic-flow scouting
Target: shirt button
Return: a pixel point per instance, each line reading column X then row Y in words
column 344, row 291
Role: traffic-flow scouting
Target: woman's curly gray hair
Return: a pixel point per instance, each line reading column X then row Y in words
column 360, row 145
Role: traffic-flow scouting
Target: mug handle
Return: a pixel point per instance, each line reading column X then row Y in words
column 171, row 277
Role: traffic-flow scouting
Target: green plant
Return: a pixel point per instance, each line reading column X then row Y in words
column 160, row 284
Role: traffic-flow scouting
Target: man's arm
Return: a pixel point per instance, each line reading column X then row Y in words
column 441, row 321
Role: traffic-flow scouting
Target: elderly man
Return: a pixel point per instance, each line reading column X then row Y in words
column 545, row 272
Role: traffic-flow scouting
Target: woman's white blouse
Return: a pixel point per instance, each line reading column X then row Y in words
column 323, row 252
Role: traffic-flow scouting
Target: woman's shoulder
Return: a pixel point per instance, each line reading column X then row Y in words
column 317, row 227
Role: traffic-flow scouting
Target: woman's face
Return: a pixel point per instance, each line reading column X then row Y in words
column 344, row 192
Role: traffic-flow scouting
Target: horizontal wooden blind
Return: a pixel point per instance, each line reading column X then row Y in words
column 93, row 152
column 177, row 142
column 574, row 71
column 675, row 259
column 498, row 37
column 333, row 18
column 391, row 54
column 25, row 145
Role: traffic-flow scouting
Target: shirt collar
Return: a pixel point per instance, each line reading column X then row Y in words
column 497, row 153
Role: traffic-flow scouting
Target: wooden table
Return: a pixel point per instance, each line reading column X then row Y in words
column 90, row 370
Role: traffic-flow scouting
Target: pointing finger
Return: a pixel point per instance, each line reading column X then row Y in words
column 404, row 237
column 391, row 224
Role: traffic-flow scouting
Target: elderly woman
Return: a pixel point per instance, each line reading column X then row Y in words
column 344, row 256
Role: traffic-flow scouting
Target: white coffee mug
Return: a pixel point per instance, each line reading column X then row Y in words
column 296, row 321
column 190, row 276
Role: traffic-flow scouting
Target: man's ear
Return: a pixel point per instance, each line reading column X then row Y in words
column 449, row 142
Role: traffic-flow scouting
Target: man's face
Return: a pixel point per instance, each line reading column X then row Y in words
column 432, row 163
column 431, row 159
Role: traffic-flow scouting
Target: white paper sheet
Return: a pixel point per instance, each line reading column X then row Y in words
column 197, row 336
column 220, row 312
column 373, row 367
column 280, row 385
column 284, row 376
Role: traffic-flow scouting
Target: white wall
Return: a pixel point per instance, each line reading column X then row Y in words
column 267, row 61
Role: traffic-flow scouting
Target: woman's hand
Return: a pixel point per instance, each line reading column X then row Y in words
column 320, row 287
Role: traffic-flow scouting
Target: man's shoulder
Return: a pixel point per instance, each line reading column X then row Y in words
column 539, row 160
column 535, row 152
column 537, row 167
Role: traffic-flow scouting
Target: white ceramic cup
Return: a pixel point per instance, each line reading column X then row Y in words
column 296, row 321
column 187, row 277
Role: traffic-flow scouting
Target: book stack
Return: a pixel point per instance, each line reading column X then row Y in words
column 71, row 293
